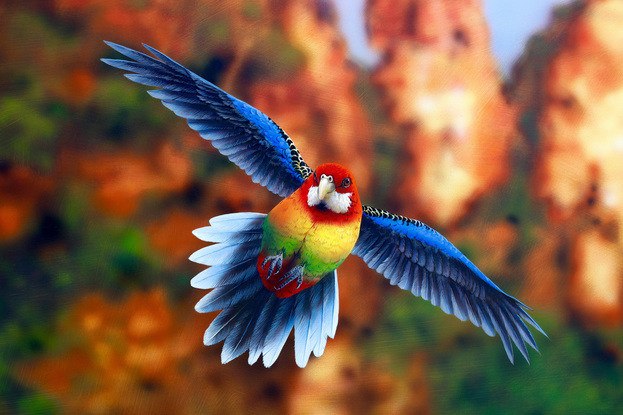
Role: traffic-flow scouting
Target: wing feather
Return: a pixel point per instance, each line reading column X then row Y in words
column 417, row 258
column 239, row 131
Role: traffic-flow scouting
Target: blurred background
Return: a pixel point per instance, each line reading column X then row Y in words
column 499, row 124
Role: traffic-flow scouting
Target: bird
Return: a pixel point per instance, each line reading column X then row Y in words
column 273, row 274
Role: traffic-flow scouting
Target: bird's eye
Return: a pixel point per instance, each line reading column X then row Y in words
column 346, row 182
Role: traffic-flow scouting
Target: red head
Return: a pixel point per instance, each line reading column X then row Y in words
column 333, row 187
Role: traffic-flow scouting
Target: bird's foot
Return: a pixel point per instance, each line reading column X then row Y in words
column 295, row 273
column 276, row 261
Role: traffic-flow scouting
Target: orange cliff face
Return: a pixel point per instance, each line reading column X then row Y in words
column 580, row 168
column 581, row 123
column 441, row 83
column 569, row 85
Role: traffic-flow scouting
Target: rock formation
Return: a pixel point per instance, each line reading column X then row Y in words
column 570, row 87
column 442, row 84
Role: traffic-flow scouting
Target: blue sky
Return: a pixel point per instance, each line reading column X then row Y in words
column 511, row 23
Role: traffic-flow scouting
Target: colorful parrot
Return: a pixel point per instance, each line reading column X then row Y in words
column 271, row 274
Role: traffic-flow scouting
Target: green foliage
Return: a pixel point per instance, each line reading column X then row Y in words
column 576, row 371
column 252, row 10
column 273, row 57
column 529, row 124
column 27, row 335
column 38, row 404
column 207, row 165
column 411, row 325
column 217, row 29
column 562, row 380
column 111, row 257
column 31, row 120
column 515, row 203
column 125, row 113
column 30, row 131
column 569, row 10
column 139, row 4
column 41, row 33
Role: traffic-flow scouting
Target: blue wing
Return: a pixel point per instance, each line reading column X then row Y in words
column 419, row 259
column 254, row 318
column 245, row 135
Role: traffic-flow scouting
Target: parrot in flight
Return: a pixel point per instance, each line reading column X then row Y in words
column 271, row 274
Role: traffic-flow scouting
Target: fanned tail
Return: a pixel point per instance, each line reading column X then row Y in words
column 253, row 317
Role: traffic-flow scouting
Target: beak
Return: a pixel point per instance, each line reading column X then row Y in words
column 325, row 187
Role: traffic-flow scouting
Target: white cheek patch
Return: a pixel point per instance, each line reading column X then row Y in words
column 337, row 202
column 312, row 196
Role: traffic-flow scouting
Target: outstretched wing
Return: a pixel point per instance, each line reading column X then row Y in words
column 419, row 259
column 245, row 135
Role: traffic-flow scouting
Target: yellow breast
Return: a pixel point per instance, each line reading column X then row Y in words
column 330, row 243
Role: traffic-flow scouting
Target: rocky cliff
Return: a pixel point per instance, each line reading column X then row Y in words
column 441, row 83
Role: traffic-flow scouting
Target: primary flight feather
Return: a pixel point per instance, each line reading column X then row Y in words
column 270, row 274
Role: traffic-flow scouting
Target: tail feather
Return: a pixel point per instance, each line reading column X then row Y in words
column 239, row 339
column 220, row 275
column 209, row 234
column 302, row 328
column 319, row 311
column 262, row 328
column 254, row 318
column 330, row 310
column 320, row 346
column 331, row 301
column 315, row 320
column 227, row 296
column 282, row 324
column 241, row 221
column 219, row 329
column 220, row 253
